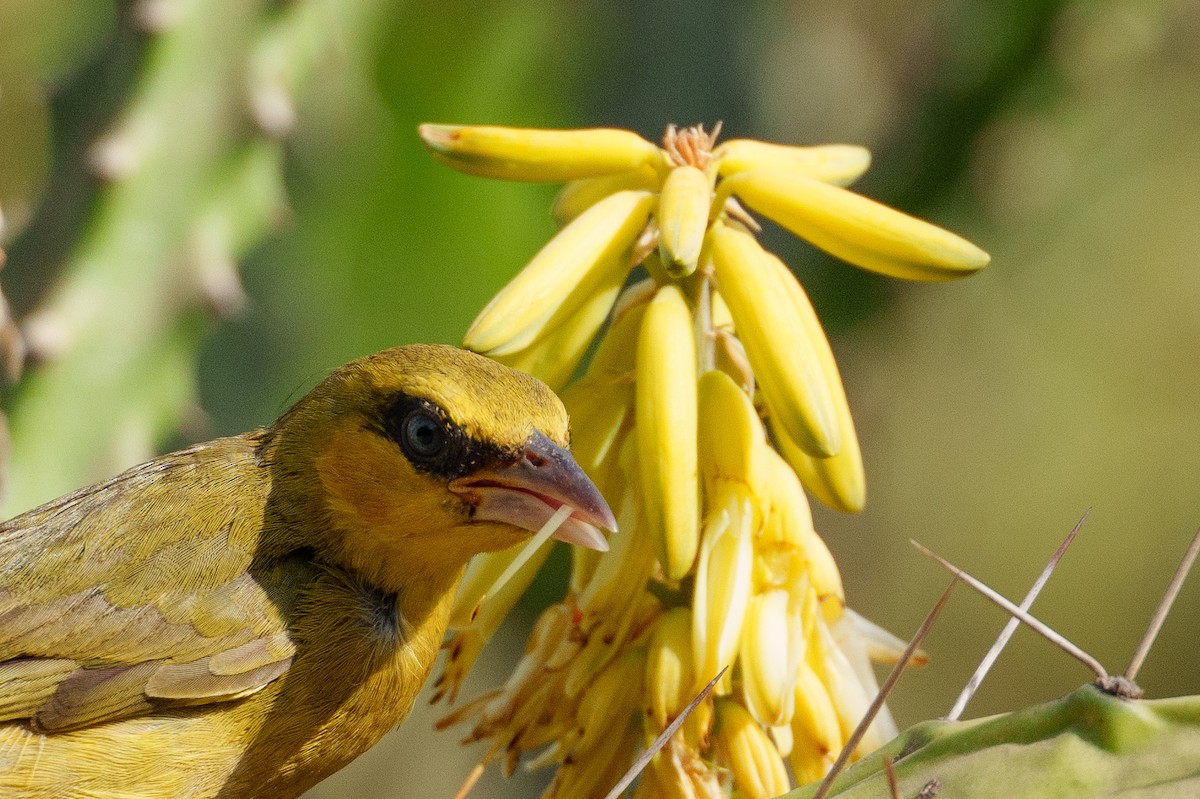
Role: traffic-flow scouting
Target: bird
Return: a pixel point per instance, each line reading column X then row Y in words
column 245, row 616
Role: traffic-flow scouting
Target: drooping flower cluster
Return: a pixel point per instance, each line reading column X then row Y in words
column 717, row 563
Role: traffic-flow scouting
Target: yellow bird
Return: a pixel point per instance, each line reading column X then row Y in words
column 246, row 616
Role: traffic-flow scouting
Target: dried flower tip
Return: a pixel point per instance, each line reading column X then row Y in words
column 690, row 146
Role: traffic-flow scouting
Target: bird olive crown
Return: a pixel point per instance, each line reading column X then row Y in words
column 709, row 403
column 435, row 443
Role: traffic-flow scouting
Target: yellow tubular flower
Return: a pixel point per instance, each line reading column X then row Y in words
column 816, row 732
column 666, row 429
column 683, row 219
column 600, row 405
column 723, row 585
column 732, row 445
column 855, row 229
column 669, row 677
column 587, row 254
column 839, row 480
column 848, row 634
column 599, row 409
column 789, row 522
column 531, row 154
column 613, row 606
column 678, row 772
column 850, row 697
column 771, row 649
column 839, row 164
column 609, row 589
column 554, row 358
column 579, row 195
column 781, row 351
column 757, row 767
column 789, row 530
column 601, row 401
column 592, row 776
column 610, row 700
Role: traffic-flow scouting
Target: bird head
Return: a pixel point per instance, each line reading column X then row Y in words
column 428, row 454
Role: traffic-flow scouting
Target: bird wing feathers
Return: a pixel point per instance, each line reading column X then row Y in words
column 143, row 593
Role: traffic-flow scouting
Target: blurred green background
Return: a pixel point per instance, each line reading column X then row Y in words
column 146, row 148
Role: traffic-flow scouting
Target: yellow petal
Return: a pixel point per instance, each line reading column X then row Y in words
column 533, row 154
column 555, row 357
column 855, row 229
column 610, row 700
column 758, row 770
column 769, row 657
column 599, row 410
column 623, row 569
column 669, row 678
column 732, row 443
column 682, row 219
column 838, row 480
column 839, row 164
column 784, row 355
column 789, row 521
column 816, row 733
column 587, row 254
column 580, row 195
column 666, row 429
column 722, row 588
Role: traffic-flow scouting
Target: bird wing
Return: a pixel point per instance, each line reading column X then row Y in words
column 145, row 592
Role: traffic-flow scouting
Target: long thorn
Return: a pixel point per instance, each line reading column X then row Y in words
column 662, row 738
column 1037, row 626
column 890, row 770
column 1164, row 607
column 1010, row 627
column 884, row 692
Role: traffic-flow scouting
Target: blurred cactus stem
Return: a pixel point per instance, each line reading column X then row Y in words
column 1086, row 745
column 193, row 183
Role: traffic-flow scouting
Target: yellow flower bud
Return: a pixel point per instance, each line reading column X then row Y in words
column 771, row 650
column 722, row 588
column 580, row 195
column 855, row 229
column 732, row 444
column 683, row 219
column 669, row 678
column 839, row 164
column 608, row 703
column 537, row 155
column 816, row 733
column 744, row 746
column 585, row 256
column 666, row 429
column 781, row 349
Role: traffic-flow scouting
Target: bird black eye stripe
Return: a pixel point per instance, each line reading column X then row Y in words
column 430, row 440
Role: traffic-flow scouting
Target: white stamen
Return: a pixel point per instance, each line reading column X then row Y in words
column 548, row 529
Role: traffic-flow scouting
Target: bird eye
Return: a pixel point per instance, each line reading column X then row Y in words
column 424, row 435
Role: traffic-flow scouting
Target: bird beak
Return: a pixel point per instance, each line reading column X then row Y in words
column 526, row 493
